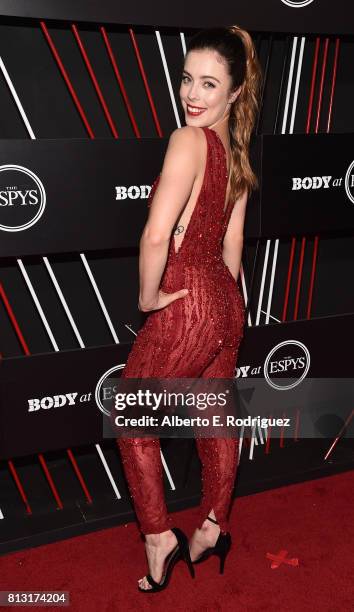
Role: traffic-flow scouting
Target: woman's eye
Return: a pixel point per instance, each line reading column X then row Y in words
column 186, row 79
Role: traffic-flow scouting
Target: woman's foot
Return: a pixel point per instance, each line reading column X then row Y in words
column 157, row 547
column 203, row 538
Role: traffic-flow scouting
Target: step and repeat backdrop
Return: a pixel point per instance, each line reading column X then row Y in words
column 65, row 399
column 311, row 16
column 70, row 195
column 89, row 96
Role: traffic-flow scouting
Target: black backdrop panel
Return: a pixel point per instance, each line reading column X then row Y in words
column 30, row 423
column 73, row 195
column 304, row 184
column 263, row 15
column 95, row 193
column 307, row 186
column 38, row 415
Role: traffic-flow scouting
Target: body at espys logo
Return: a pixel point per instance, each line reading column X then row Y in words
column 104, row 395
column 310, row 183
column 297, row 3
column 22, row 198
column 286, row 365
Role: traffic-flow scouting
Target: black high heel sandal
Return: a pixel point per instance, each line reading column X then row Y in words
column 221, row 548
column 181, row 551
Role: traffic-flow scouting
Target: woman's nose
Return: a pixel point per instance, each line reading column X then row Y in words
column 193, row 93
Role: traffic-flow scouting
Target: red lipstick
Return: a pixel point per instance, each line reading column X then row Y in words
column 194, row 111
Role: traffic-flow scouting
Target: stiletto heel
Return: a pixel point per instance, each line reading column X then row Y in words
column 184, row 548
column 181, row 551
column 224, row 548
column 221, row 548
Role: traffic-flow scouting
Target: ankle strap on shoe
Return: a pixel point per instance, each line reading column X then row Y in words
column 212, row 520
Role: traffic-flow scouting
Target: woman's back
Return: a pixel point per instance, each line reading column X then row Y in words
column 208, row 221
column 184, row 338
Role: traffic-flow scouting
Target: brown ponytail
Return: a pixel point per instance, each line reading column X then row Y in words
column 243, row 115
column 236, row 46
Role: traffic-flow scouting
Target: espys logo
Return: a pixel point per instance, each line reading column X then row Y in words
column 349, row 182
column 104, row 393
column 22, row 198
column 326, row 182
column 288, row 359
column 295, row 4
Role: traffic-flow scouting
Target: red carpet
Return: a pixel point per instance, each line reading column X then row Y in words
column 313, row 521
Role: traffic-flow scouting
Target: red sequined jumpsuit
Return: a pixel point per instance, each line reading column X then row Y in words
column 195, row 336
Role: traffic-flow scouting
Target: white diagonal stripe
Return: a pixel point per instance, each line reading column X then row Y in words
column 20, row 263
column 168, row 79
column 99, row 297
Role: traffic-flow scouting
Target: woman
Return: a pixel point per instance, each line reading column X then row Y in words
column 188, row 284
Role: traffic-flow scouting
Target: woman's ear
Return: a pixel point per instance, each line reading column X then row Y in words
column 235, row 95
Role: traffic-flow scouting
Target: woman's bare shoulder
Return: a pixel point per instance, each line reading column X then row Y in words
column 184, row 154
column 188, row 135
column 187, row 145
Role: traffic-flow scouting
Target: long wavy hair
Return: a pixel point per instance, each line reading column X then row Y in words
column 236, row 46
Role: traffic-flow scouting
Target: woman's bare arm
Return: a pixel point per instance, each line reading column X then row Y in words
column 175, row 185
column 233, row 239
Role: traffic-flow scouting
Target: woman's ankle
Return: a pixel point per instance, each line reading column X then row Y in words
column 157, row 538
column 209, row 526
column 209, row 532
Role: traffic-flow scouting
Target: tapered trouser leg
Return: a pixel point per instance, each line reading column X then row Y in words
column 142, row 465
column 143, row 470
column 218, row 456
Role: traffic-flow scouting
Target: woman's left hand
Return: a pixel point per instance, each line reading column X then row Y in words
column 162, row 300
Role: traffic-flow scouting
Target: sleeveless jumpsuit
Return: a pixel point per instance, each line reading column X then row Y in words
column 194, row 336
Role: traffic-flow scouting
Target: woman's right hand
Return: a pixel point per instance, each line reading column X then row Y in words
column 162, row 300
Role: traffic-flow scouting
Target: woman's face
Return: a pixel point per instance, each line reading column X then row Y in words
column 205, row 88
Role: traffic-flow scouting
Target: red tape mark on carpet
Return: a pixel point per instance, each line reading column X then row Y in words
column 280, row 558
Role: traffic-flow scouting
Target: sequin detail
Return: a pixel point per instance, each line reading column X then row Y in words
column 195, row 336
